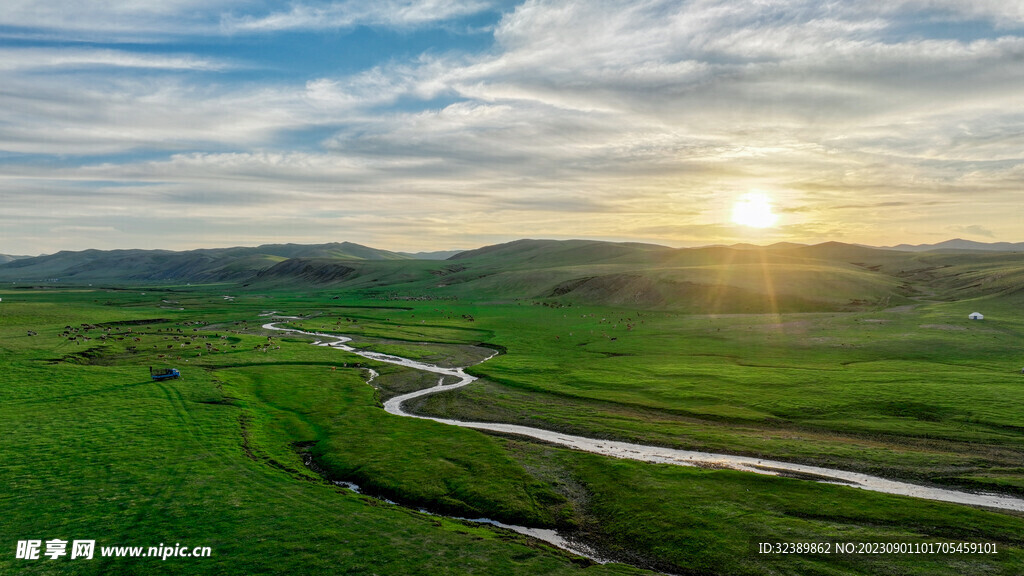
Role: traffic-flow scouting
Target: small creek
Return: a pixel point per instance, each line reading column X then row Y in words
column 545, row 534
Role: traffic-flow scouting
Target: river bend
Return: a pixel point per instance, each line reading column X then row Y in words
column 655, row 454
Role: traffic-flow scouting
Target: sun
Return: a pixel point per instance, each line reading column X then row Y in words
column 754, row 209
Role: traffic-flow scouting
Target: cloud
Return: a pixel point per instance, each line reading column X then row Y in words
column 94, row 113
column 974, row 230
column 351, row 13
column 49, row 59
column 644, row 117
column 1001, row 14
column 147, row 22
column 108, row 20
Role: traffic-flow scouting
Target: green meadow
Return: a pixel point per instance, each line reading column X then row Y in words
column 93, row 449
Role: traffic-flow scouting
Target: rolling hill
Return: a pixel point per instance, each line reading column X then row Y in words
column 204, row 265
column 785, row 277
column 961, row 244
column 434, row 255
column 782, row 277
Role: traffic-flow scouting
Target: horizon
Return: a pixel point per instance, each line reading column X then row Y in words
column 540, row 239
column 457, row 123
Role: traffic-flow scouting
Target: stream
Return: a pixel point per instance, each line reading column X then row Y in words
column 657, row 454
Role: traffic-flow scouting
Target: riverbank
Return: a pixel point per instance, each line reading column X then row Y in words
column 656, row 454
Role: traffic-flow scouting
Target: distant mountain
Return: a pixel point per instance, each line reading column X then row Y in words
column 711, row 279
column 4, row 258
column 960, row 244
column 342, row 250
column 562, row 252
column 776, row 246
column 311, row 270
column 437, row 255
column 782, row 277
column 205, row 265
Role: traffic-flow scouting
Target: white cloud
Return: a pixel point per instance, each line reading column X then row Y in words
column 351, row 13
column 974, row 230
column 646, row 115
column 42, row 59
column 113, row 19
column 135, row 21
column 1002, row 13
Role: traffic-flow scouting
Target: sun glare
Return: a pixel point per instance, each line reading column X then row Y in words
column 754, row 209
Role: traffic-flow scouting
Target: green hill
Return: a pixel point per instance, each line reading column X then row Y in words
column 555, row 252
column 782, row 277
column 204, row 265
column 961, row 244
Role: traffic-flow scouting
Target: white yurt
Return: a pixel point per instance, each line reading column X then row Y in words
column 976, row 316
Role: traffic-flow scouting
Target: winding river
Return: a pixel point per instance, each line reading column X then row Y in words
column 655, row 454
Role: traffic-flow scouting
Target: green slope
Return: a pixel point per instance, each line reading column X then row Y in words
column 746, row 279
column 720, row 279
column 95, row 449
column 206, row 265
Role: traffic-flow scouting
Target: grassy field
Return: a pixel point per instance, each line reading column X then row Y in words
column 95, row 450
column 921, row 394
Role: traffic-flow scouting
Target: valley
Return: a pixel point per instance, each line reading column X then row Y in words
column 832, row 356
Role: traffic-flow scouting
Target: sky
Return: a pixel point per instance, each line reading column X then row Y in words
column 454, row 124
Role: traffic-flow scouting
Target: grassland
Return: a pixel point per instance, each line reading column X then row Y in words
column 94, row 449
column 922, row 395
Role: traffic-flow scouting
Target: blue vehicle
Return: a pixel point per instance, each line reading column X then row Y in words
column 164, row 373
